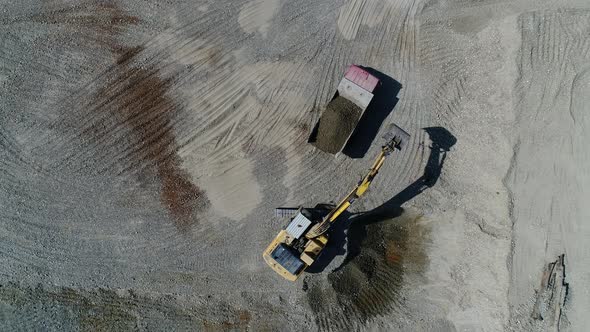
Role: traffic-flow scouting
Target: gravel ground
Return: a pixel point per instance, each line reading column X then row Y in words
column 145, row 144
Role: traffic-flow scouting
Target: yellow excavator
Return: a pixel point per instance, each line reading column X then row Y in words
column 299, row 245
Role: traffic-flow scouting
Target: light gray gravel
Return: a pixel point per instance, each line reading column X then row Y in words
column 144, row 146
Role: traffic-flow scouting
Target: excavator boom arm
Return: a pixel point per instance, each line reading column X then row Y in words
column 359, row 190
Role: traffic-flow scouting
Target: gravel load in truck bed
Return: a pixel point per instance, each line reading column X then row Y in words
column 336, row 124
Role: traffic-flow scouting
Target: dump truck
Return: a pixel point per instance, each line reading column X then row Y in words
column 300, row 244
column 344, row 111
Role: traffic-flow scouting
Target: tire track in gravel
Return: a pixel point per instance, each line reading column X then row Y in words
column 155, row 141
column 390, row 38
column 470, row 65
column 336, row 303
column 217, row 93
column 233, row 104
column 100, row 309
column 148, row 58
column 553, row 90
column 131, row 97
column 337, row 55
column 26, row 221
column 368, row 286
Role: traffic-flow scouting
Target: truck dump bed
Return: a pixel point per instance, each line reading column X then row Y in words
column 344, row 111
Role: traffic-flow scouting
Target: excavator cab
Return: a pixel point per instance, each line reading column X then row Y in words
column 291, row 251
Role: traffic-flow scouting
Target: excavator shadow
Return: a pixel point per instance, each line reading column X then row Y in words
column 378, row 110
column 348, row 233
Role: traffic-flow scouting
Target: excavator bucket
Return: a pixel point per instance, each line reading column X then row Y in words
column 396, row 137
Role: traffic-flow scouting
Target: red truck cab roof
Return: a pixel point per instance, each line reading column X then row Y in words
column 361, row 77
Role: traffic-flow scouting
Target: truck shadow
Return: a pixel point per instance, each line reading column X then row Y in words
column 383, row 103
column 348, row 233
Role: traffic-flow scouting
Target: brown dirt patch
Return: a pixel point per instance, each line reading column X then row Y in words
column 136, row 98
column 139, row 100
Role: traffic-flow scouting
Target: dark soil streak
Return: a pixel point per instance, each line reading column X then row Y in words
column 127, row 54
column 136, row 98
column 146, row 109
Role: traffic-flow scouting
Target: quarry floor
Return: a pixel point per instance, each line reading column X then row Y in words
column 145, row 144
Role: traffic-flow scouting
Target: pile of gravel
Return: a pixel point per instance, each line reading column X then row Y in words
column 337, row 124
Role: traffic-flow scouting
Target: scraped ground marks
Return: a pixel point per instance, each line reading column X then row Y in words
column 371, row 284
column 553, row 91
column 103, row 130
column 97, row 131
column 74, row 202
column 103, row 309
column 255, row 15
column 256, row 107
column 228, row 124
column 235, row 106
column 156, row 129
column 133, row 97
column 355, row 14
column 232, row 99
